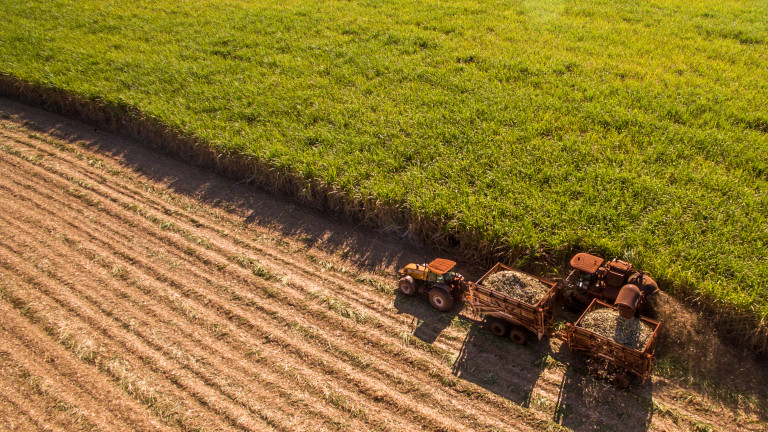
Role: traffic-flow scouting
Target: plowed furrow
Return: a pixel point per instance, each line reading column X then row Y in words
column 22, row 413
column 219, row 358
column 118, row 344
column 30, row 402
column 284, row 329
column 74, row 389
column 277, row 329
column 69, row 389
column 214, row 363
column 34, row 397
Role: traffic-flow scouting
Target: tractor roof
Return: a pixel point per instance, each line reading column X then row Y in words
column 586, row 262
column 441, row 265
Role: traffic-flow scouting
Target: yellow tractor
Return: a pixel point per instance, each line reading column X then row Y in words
column 437, row 279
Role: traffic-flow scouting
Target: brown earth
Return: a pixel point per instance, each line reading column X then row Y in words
column 140, row 292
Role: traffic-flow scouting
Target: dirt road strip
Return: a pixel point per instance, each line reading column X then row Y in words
column 139, row 292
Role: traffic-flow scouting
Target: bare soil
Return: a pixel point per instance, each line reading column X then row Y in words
column 140, row 292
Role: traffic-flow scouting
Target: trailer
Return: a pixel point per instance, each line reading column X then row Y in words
column 511, row 316
column 610, row 352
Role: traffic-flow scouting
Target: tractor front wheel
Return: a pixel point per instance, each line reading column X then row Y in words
column 440, row 300
column 407, row 286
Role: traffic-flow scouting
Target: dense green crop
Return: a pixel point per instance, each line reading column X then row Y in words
column 638, row 129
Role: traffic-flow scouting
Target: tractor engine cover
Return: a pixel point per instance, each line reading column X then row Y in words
column 617, row 273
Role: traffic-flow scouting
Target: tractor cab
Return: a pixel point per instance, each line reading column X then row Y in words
column 441, row 271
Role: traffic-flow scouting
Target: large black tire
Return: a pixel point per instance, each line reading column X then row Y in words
column 440, row 299
column 519, row 335
column 407, row 286
column 499, row 327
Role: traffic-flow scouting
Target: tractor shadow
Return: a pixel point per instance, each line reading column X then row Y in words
column 426, row 323
column 587, row 403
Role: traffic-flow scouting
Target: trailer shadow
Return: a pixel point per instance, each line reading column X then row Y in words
column 514, row 372
column 586, row 403
column 499, row 365
column 493, row 363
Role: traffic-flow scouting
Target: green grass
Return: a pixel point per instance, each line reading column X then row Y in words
column 637, row 129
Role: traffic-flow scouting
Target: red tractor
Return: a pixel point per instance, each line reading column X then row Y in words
column 613, row 282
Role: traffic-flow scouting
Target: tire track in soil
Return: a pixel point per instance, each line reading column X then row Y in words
column 69, row 314
column 185, row 219
column 191, row 336
column 157, row 343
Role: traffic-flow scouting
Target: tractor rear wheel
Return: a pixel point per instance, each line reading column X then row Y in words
column 499, row 327
column 440, row 300
column 519, row 335
column 407, row 286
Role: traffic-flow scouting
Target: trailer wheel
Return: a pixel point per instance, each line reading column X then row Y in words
column 499, row 327
column 407, row 286
column 440, row 300
column 519, row 335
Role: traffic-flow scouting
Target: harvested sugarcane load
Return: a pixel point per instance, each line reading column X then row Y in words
column 630, row 332
column 519, row 285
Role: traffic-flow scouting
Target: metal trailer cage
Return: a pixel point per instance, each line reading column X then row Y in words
column 638, row 362
column 534, row 317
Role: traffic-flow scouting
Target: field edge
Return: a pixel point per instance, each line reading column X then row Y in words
column 744, row 327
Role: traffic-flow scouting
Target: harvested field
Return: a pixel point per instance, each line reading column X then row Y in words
column 140, row 293
column 518, row 285
column 630, row 332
